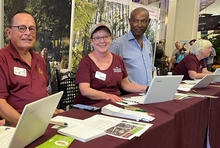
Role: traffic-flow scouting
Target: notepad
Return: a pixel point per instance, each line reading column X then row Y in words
column 82, row 132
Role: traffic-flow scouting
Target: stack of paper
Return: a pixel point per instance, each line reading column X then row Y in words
column 81, row 132
column 99, row 125
column 120, row 128
column 77, row 129
column 124, row 113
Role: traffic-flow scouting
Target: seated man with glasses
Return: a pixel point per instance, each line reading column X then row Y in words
column 134, row 48
column 101, row 74
column 23, row 73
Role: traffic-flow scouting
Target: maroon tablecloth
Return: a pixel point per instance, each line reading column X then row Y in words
column 214, row 117
column 178, row 124
column 160, row 135
column 190, row 121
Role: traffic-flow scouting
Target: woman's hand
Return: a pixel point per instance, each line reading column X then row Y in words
column 112, row 98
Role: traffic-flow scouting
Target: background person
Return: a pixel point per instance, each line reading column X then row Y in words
column 45, row 57
column 23, row 73
column 177, row 51
column 210, row 59
column 192, row 41
column 160, row 61
column 134, row 48
column 193, row 66
column 101, row 73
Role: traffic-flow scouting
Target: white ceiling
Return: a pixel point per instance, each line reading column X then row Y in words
column 212, row 9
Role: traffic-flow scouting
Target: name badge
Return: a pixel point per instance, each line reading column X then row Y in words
column 100, row 75
column 20, row 71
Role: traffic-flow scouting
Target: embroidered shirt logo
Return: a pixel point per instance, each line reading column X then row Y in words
column 117, row 69
column 40, row 71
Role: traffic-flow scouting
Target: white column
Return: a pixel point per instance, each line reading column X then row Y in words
column 71, row 35
column 182, row 24
column 163, row 14
column 2, row 23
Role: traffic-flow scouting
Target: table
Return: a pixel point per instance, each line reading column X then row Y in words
column 214, row 117
column 190, row 121
column 159, row 135
column 178, row 124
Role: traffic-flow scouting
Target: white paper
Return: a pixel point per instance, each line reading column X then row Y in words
column 81, row 132
column 70, row 121
column 111, row 124
column 185, row 87
column 120, row 112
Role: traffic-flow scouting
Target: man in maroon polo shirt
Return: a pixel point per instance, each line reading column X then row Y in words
column 23, row 75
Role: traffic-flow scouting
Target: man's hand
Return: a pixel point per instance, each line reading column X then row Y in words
column 58, row 111
column 2, row 122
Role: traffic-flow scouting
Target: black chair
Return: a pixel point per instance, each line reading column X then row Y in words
column 66, row 83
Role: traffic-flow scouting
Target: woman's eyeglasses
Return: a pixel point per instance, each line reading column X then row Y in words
column 98, row 39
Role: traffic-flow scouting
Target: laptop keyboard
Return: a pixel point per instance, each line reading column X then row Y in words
column 6, row 137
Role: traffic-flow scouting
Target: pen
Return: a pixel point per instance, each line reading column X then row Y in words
column 140, row 110
column 124, row 102
column 194, row 91
column 134, row 108
column 58, row 123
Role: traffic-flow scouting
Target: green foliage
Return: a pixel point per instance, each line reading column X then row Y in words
column 215, row 40
column 50, row 15
column 216, row 44
column 37, row 47
column 54, row 16
column 77, row 56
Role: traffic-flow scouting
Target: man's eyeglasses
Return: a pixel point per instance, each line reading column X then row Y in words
column 98, row 39
column 23, row 28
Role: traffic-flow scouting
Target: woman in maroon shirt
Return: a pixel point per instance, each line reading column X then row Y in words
column 101, row 73
column 193, row 66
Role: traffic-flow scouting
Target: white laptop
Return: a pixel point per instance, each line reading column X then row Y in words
column 204, row 82
column 217, row 71
column 161, row 89
column 32, row 123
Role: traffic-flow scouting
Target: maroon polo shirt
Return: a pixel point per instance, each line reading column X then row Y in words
column 190, row 62
column 20, row 83
column 108, row 81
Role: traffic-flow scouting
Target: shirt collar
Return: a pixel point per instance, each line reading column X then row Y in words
column 131, row 37
column 12, row 50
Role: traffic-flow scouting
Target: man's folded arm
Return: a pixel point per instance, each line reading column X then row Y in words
column 8, row 113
